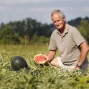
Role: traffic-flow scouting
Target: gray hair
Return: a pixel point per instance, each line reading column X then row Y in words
column 58, row 12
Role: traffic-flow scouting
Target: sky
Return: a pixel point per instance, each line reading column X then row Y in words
column 15, row 10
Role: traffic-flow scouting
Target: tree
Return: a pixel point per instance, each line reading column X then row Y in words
column 84, row 29
column 9, row 36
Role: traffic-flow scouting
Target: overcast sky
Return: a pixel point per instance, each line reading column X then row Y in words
column 14, row 10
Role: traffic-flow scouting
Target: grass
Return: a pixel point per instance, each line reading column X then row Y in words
column 38, row 77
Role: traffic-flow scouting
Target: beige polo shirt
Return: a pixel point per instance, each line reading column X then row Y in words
column 67, row 44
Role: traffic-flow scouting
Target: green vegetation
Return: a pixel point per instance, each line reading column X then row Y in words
column 9, row 36
column 27, row 38
column 39, row 76
column 35, row 32
column 84, row 29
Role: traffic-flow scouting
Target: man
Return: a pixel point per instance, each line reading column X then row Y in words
column 71, row 45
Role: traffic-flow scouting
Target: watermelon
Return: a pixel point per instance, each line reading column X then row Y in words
column 18, row 63
column 40, row 58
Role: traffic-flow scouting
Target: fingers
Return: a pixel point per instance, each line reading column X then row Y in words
column 76, row 68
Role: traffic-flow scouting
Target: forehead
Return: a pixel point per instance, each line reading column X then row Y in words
column 56, row 17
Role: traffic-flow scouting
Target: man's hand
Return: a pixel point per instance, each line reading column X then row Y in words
column 77, row 68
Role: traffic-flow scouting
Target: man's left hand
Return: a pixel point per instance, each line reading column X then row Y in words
column 77, row 68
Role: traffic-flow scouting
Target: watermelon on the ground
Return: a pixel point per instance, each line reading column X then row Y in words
column 18, row 63
column 40, row 58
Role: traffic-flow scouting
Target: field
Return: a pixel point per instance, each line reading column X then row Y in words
column 39, row 76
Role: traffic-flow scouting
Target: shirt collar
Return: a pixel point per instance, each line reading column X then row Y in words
column 65, row 32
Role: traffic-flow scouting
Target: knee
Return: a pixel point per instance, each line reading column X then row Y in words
column 51, row 62
column 54, row 62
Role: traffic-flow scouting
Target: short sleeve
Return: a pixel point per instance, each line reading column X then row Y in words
column 52, row 44
column 78, row 38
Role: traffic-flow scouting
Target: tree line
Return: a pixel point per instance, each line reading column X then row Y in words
column 30, row 30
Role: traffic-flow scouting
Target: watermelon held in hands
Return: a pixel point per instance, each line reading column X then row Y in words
column 18, row 63
column 40, row 58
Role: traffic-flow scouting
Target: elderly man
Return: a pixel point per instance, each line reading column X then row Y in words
column 71, row 45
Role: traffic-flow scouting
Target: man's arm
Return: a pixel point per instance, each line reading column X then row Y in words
column 51, row 54
column 84, row 51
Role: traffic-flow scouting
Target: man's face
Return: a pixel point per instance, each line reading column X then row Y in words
column 58, row 21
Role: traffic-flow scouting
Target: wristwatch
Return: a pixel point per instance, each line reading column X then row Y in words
column 78, row 65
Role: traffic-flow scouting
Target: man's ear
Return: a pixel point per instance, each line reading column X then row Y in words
column 64, row 19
